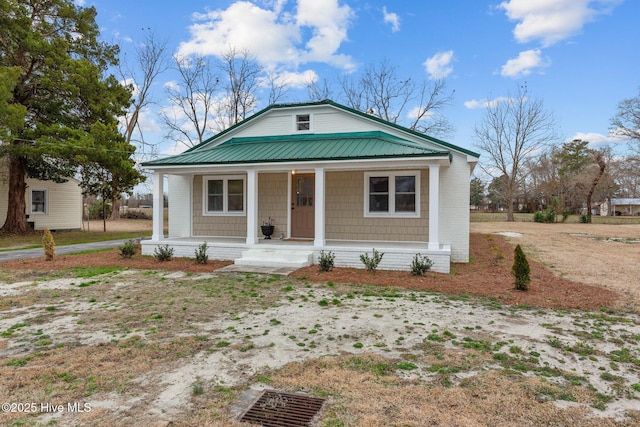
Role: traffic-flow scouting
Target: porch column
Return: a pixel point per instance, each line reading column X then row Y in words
column 434, row 207
column 158, row 206
column 252, row 207
column 319, row 209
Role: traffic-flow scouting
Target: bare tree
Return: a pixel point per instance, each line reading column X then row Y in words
column 319, row 91
column 626, row 172
column 381, row 91
column 241, row 83
column 626, row 122
column 194, row 101
column 511, row 131
column 150, row 62
column 277, row 86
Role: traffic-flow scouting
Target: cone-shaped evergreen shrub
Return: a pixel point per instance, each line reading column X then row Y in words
column 521, row 269
column 48, row 245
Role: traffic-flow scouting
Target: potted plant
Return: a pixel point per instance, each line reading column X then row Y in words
column 267, row 228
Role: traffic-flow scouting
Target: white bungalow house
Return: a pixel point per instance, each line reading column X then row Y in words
column 329, row 178
column 52, row 205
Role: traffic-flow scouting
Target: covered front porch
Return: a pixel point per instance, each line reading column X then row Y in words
column 314, row 211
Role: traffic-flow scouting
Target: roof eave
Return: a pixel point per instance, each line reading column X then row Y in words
column 332, row 163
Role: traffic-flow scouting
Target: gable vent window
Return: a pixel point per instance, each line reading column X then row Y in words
column 303, row 122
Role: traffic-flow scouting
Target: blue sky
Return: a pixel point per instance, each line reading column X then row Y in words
column 581, row 57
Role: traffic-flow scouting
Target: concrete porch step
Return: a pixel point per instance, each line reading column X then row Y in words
column 276, row 258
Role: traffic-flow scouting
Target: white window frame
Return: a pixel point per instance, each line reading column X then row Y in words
column 46, row 201
column 296, row 122
column 225, row 195
column 392, row 194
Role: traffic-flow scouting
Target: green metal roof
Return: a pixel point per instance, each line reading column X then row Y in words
column 302, row 148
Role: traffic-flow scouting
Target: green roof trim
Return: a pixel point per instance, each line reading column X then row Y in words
column 302, row 148
column 342, row 107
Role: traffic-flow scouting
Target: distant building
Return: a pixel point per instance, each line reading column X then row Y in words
column 620, row 206
column 52, row 205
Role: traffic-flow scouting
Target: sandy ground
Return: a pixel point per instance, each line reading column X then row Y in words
column 319, row 320
column 301, row 327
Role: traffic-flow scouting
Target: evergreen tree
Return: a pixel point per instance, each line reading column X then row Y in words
column 520, row 270
column 60, row 92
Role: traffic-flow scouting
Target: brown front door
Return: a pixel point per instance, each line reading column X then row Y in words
column 302, row 205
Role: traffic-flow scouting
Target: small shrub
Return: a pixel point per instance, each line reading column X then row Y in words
column 201, row 254
column 420, row 265
column 372, row 263
column 521, row 271
column 538, row 217
column 498, row 255
column 325, row 262
column 565, row 214
column 549, row 216
column 128, row 249
column 163, row 253
column 584, row 219
column 133, row 214
column 48, row 245
column 95, row 210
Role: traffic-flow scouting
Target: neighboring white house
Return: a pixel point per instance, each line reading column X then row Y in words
column 56, row 206
column 620, row 206
column 329, row 178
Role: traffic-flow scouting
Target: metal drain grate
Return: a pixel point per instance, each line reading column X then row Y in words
column 277, row 409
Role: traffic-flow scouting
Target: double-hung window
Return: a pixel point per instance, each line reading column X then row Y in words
column 224, row 195
column 38, row 201
column 395, row 194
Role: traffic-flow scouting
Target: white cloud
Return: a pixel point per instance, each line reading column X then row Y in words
column 484, row 103
column 297, row 80
column 551, row 21
column 439, row 65
column 524, row 63
column 273, row 34
column 599, row 140
column 391, row 18
column 171, row 85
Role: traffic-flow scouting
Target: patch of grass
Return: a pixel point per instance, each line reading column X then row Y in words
column 368, row 364
column 87, row 272
column 407, row 366
column 62, row 238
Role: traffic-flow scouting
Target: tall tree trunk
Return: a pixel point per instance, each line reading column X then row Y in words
column 599, row 158
column 115, row 208
column 16, row 222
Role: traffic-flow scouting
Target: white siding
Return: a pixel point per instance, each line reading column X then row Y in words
column 64, row 205
column 324, row 119
column 454, row 207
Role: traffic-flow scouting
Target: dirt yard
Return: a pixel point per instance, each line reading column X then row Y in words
column 148, row 343
column 606, row 256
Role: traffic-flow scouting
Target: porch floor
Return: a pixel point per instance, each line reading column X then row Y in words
column 297, row 242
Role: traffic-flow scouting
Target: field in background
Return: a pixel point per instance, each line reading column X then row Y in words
column 573, row 219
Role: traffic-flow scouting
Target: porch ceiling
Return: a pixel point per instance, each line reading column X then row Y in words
column 302, row 148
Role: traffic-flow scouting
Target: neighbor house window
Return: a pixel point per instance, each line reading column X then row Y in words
column 303, row 122
column 392, row 194
column 223, row 195
column 38, row 201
